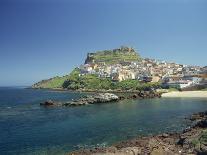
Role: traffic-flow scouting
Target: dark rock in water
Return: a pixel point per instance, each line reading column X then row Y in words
column 202, row 124
column 51, row 103
column 121, row 97
column 199, row 116
column 48, row 103
column 135, row 96
column 141, row 95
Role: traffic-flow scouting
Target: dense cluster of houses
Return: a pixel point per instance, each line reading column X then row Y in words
column 149, row 70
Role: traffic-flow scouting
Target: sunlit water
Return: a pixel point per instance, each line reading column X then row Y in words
column 27, row 128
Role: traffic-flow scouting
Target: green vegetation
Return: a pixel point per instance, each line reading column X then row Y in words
column 55, row 82
column 115, row 58
column 200, row 140
column 93, row 82
column 203, row 138
column 89, row 81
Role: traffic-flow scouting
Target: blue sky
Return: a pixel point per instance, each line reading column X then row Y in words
column 44, row 38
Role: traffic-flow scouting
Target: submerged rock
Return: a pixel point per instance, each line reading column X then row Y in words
column 48, row 103
column 51, row 103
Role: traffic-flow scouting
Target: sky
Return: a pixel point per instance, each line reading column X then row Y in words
column 40, row 39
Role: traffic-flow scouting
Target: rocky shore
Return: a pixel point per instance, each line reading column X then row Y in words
column 192, row 141
column 102, row 98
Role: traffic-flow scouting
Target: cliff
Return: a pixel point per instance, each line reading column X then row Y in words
column 115, row 56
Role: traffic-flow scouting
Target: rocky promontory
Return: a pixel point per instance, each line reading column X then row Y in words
column 192, row 141
column 98, row 98
column 89, row 99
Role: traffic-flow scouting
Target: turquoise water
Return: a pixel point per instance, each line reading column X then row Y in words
column 27, row 128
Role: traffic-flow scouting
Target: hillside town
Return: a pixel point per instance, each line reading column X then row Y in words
column 169, row 74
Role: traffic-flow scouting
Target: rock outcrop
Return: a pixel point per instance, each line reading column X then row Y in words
column 89, row 99
column 102, row 98
column 114, row 56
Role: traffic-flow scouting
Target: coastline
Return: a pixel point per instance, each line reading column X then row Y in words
column 99, row 98
column 192, row 140
column 88, row 91
column 173, row 94
column 186, row 94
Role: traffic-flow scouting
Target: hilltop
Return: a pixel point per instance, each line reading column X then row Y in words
column 115, row 56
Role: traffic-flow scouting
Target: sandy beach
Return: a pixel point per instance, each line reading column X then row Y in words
column 186, row 94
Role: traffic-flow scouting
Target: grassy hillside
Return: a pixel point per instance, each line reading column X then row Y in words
column 55, row 82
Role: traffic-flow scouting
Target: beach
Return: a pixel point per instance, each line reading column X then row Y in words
column 199, row 94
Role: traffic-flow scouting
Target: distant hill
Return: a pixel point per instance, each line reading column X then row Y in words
column 123, row 54
column 114, row 56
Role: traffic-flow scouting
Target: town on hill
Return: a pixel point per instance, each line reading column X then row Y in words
column 124, row 69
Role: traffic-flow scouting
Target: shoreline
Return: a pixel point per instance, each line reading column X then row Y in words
column 173, row 94
column 89, row 91
column 192, row 140
column 185, row 94
column 166, row 143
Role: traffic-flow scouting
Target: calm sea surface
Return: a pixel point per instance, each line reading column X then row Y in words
column 27, row 128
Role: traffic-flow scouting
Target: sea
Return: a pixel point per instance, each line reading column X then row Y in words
column 26, row 128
